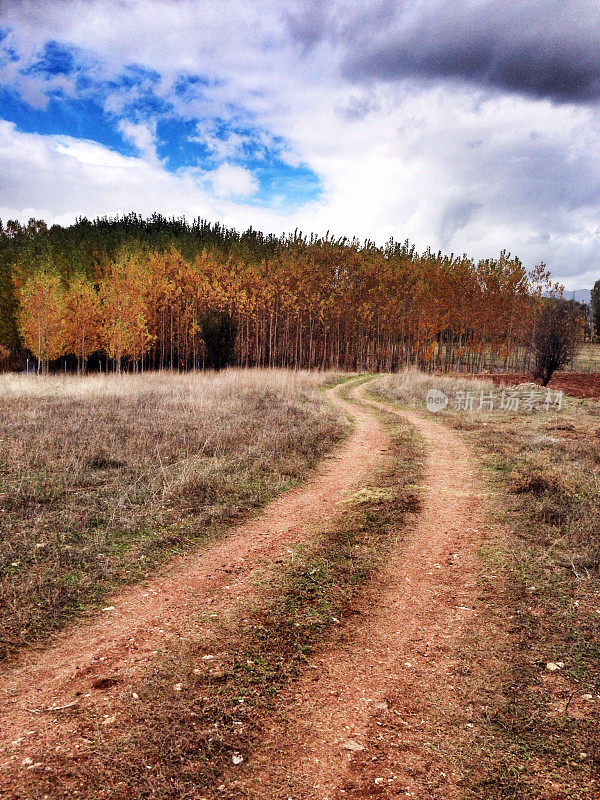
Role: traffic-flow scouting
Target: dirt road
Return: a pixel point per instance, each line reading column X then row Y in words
column 135, row 624
column 361, row 724
column 363, row 719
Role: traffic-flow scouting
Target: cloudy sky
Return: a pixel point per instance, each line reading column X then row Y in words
column 467, row 125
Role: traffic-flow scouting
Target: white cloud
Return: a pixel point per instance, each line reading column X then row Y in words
column 230, row 180
column 143, row 136
column 58, row 178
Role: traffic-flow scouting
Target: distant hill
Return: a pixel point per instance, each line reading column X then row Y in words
column 581, row 295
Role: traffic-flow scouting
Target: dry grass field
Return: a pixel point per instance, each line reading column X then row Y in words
column 588, row 358
column 103, row 478
column 411, row 386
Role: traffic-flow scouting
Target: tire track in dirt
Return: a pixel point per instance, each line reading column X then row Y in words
column 355, row 724
column 218, row 579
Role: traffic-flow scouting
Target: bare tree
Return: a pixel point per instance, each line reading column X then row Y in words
column 556, row 337
column 595, row 295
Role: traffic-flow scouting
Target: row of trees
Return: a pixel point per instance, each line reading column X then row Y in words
column 164, row 294
column 126, row 316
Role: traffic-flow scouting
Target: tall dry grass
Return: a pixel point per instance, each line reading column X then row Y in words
column 411, row 385
column 104, row 477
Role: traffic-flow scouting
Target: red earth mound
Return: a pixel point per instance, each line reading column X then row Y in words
column 576, row 384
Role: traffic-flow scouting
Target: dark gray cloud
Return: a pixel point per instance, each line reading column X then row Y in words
column 308, row 26
column 540, row 48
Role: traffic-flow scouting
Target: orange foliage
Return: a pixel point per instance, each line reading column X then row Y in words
column 318, row 303
column 83, row 320
column 41, row 317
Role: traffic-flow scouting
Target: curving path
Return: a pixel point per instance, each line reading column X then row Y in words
column 356, row 724
column 139, row 621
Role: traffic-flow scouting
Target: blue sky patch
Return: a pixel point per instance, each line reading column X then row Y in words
column 81, row 119
column 174, row 143
column 189, row 86
column 135, row 75
column 281, row 185
column 55, row 60
column 284, row 186
column 99, row 106
column 7, row 53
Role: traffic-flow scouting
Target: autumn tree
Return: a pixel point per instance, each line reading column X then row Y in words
column 83, row 321
column 123, row 309
column 41, row 317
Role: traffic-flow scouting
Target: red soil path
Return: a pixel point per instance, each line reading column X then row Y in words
column 356, row 723
column 143, row 619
